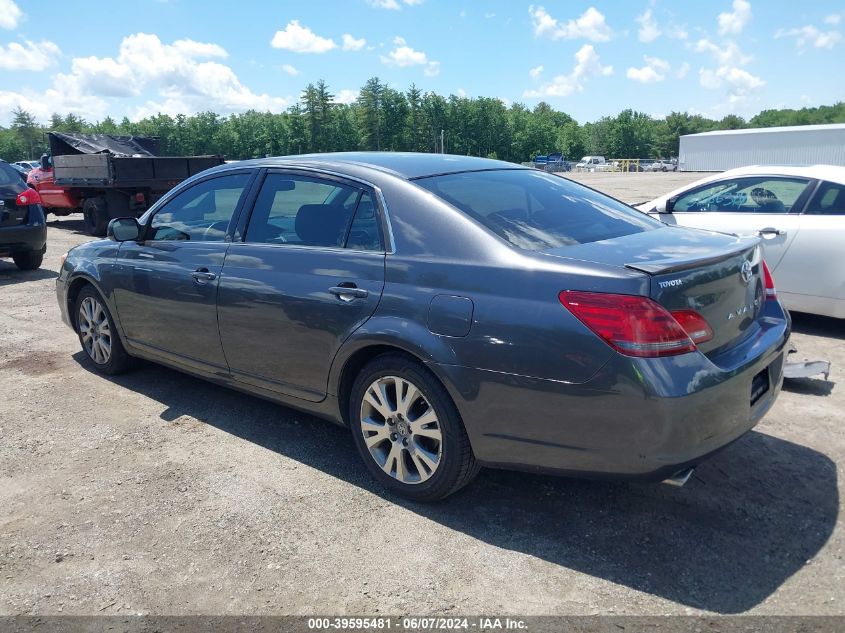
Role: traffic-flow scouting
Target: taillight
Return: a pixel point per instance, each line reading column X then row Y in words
column 769, row 282
column 634, row 325
column 696, row 327
column 27, row 197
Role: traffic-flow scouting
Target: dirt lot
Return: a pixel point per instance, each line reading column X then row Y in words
column 158, row 493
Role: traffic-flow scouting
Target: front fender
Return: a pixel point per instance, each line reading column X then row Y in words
column 92, row 267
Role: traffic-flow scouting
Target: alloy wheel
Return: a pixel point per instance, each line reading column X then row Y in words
column 95, row 330
column 401, row 430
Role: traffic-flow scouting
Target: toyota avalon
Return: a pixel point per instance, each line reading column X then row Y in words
column 453, row 312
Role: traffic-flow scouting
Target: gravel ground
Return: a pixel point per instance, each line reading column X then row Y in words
column 158, row 493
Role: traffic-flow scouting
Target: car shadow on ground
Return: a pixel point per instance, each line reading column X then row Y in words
column 11, row 274
column 73, row 223
column 816, row 325
column 813, row 325
column 750, row 518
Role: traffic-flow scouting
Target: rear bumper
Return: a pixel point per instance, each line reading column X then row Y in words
column 19, row 239
column 636, row 418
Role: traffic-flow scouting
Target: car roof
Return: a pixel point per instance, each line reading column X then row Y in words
column 408, row 165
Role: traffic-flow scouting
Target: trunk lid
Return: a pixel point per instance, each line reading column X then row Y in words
column 10, row 213
column 719, row 276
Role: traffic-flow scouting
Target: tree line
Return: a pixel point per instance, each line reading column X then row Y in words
column 383, row 118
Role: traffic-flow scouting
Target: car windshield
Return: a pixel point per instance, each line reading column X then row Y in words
column 536, row 211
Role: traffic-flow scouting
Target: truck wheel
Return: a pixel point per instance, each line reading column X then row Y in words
column 28, row 260
column 96, row 216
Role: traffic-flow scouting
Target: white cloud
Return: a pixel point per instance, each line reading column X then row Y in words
column 587, row 64
column 655, row 70
column 29, row 55
column 732, row 23
column 725, row 54
column 346, row 96
column 648, row 31
column 352, row 44
column 290, row 70
column 392, row 5
column 403, row 56
column 809, row 35
column 301, row 39
column 683, row 70
column 181, row 77
column 729, row 73
column 833, row 19
column 10, row 14
column 536, row 72
column 590, row 25
column 740, row 83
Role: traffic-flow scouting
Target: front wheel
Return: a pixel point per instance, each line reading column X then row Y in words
column 408, row 431
column 98, row 335
column 28, row 260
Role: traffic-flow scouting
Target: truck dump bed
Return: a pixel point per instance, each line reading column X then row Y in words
column 106, row 161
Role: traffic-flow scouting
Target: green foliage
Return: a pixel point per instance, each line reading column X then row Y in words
column 383, row 118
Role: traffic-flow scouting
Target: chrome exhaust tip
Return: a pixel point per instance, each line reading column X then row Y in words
column 680, row 477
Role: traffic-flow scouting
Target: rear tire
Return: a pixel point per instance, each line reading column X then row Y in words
column 96, row 216
column 98, row 335
column 28, row 260
column 412, row 442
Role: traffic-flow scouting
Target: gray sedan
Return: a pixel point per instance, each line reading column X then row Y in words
column 454, row 312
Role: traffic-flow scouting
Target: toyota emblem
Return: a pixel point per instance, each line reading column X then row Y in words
column 745, row 272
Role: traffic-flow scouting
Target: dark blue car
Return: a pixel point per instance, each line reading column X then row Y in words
column 454, row 312
column 23, row 230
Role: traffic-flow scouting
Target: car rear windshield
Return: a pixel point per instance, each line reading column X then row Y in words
column 537, row 211
column 9, row 175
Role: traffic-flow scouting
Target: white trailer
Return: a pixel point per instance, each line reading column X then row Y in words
column 794, row 145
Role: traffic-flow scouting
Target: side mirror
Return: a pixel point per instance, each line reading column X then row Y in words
column 45, row 162
column 670, row 205
column 124, row 230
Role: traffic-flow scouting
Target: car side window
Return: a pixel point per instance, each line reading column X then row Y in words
column 829, row 200
column 365, row 231
column 201, row 213
column 302, row 210
column 764, row 194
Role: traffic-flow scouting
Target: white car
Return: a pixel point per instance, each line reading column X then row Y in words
column 798, row 211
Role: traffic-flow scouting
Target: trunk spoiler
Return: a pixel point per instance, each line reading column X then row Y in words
column 675, row 264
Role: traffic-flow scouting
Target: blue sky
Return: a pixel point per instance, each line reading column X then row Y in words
column 139, row 57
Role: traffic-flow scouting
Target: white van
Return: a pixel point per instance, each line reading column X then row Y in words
column 590, row 163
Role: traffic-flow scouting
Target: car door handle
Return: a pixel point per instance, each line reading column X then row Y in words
column 348, row 294
column 770, row 232
column 202, row 275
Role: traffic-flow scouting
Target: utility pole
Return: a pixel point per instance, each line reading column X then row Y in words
column 442, row 146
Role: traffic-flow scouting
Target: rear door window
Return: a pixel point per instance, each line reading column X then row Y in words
column 829, row 200
column 302, row 210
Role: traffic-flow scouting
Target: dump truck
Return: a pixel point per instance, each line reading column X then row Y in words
column 106, row 176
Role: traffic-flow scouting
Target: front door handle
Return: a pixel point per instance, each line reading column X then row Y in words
column 770, row 232
column 348, row 294
column 203, row 275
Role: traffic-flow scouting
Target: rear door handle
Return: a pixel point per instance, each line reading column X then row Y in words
column 348, row 294
column 202, row 275
column 770, row 232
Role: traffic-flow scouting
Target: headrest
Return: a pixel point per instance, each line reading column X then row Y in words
column 319, row 224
